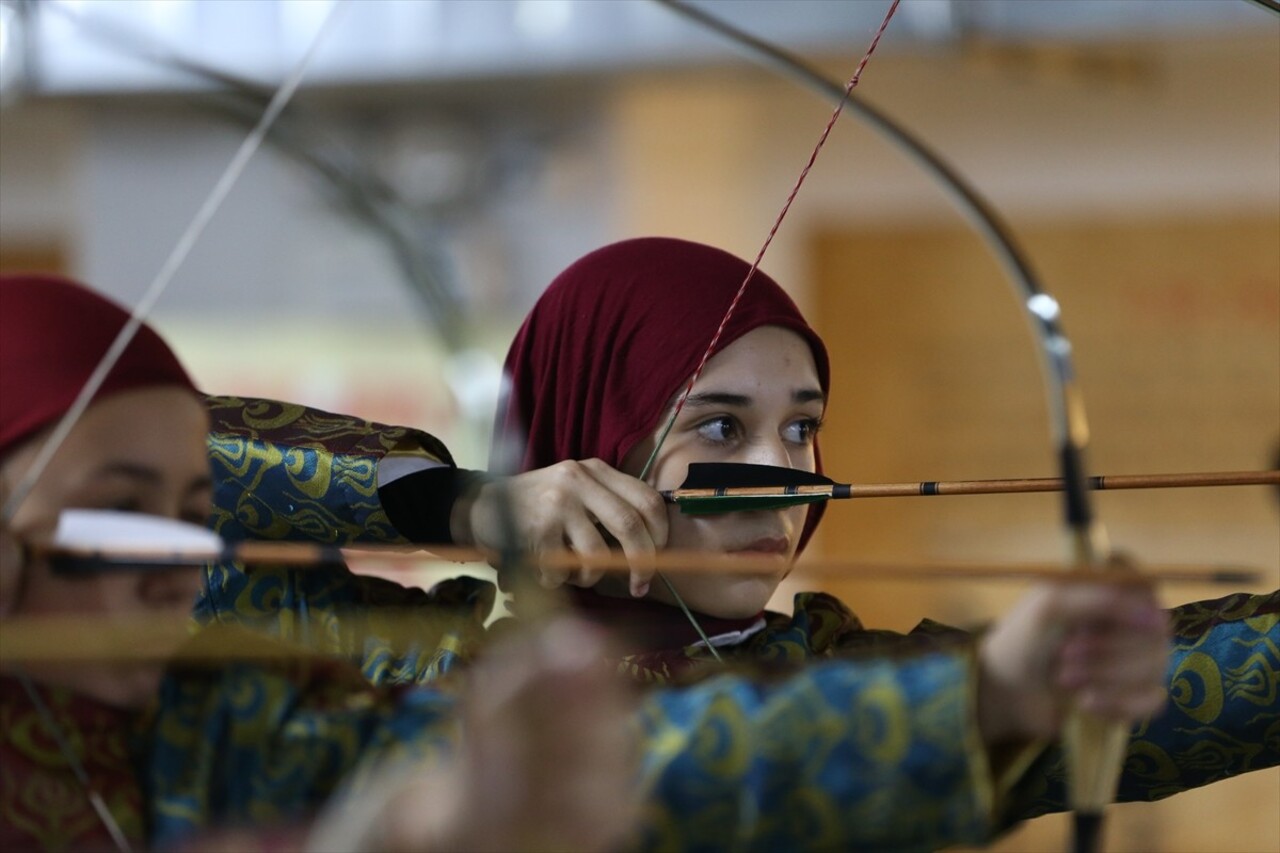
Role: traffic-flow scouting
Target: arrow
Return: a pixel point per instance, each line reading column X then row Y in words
column 717, row 487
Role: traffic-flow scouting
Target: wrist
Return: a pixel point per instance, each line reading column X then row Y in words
column 470, row 517
column 461, row 529
column 432, row 507
column 994, row 700
column 1011, row 710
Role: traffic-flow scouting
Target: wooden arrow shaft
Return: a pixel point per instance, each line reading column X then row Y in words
column 927, row 488
column 304, row 555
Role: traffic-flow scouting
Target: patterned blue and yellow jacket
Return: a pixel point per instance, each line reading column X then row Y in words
column 871, row 742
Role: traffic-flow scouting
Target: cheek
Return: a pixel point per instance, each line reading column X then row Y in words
column 170, row 591
column 796, row 517
column 690, row 532
column 681, row 532
column 49, row 594
column 802, row 459
column 117, row 592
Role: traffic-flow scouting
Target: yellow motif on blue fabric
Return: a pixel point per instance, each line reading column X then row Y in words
column 830, row 756
column 259, row 745
column 868, row 751
column 872, row 744
column 1222, row 719
column 292, row 473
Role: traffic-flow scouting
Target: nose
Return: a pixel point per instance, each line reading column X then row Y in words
column 769, row 450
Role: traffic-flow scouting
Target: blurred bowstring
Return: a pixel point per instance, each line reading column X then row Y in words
column 353, row 185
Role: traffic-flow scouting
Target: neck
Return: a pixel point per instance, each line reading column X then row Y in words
column 126, row 688
column 641, row 625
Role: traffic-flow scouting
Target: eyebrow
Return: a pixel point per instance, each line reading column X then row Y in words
column 717, row 398
column 808, row 395
column 149, row 476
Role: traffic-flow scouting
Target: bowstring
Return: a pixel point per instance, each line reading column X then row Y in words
column 755, row 265
column 99, row 805
column 163, row 278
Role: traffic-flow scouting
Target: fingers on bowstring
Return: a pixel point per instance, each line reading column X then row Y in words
column 631, row 512
column 589, row 508
column 586, row 541
column 635, row 515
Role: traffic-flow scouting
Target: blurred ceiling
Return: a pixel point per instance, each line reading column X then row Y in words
column 79, row 47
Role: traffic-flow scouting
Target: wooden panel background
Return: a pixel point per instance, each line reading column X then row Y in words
column 21, row 256
column 1176, row 325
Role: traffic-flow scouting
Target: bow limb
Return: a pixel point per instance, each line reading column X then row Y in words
column 1094, row 748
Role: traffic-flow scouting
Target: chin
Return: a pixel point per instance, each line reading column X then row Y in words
column 135, row 686
column 743, row 599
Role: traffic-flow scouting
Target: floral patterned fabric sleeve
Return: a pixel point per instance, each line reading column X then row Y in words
column 844, row 753
column 871, row 754
column 286, row 472
column 1223, row 715
column 265, row 746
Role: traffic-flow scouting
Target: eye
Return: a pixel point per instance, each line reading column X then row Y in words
column 719, row 430
column 802, row 431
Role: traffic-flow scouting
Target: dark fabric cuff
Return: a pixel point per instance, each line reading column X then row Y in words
column 419, row 504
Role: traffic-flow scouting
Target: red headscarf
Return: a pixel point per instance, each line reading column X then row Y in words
column 617, row 336
column 53, row 332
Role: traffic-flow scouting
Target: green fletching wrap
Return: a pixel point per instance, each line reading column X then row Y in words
column 733, row 503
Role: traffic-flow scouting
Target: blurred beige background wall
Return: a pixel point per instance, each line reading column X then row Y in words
column 1143, row 175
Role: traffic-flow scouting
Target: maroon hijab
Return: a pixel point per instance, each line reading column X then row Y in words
column 617, row 336
column 53, row 333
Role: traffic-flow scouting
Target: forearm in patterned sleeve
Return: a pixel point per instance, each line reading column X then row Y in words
column 1223, row 715
column 872, row 754
column 287, row 472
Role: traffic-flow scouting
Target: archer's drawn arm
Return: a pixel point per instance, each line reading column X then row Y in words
column 287, row 472
column 1223, row 715
column 878, row 754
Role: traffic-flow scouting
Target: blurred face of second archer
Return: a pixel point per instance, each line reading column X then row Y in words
column 138, row 451
column 758, row 401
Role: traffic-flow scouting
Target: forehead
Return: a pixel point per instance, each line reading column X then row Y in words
column 162, row 429
column 165, row 424
column 769, row 354
column 150, row 442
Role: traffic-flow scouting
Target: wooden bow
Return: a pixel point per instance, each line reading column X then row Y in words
column 1094, row 750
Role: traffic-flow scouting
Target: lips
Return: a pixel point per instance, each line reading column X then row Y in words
column 765, row 545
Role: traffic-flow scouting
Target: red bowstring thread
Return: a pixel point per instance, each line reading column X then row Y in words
column 706, row 356
column 777, row 223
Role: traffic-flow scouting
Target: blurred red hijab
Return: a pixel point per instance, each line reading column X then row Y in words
column 53, row 333
column 617, row 336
